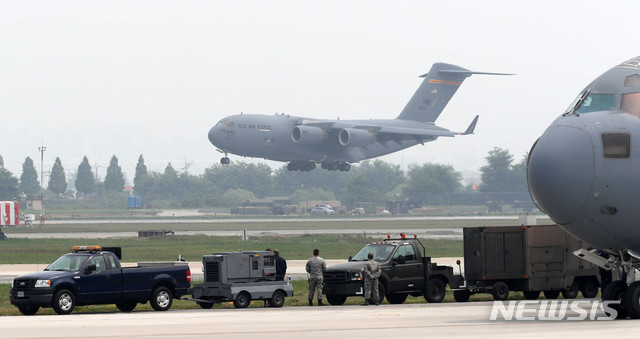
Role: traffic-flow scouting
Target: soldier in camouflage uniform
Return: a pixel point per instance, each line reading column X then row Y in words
column 371, row 272
column 316, row 267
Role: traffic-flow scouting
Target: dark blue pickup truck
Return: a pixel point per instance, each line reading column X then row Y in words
column 92, row 275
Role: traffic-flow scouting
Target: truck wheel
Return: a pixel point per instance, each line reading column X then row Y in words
column 277, row 300
column 435, row 290
column 28, row 310
column 336, row 300
column 500, row 291
column 531, row 295
column 551, row 294
column 161, row 299
column 126, row 306
column 242, row 300
column 571, row 292
column 589, row 288
column 63, row 301
column 396, row 298
column 461, row 295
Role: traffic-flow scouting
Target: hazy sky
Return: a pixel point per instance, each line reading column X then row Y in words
column 99, row 78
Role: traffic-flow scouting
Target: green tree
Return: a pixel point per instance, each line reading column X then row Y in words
column 431, row 179
column 251, row 177
column 359, row 190
column 29, row 183
column 9, row 187
column 287, row 182
column 84, row 179
column 167, row 183
column 114, row 180
column 382, row 176
column 498, row 174
column 142, row 181
column 57, row 179
column 235, row 197
column 311, row 194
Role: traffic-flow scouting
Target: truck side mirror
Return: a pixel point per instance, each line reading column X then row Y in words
column 90, row 268
column 350, row 257
column 401, row 259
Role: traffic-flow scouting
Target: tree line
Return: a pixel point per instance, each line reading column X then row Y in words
column 373, row 181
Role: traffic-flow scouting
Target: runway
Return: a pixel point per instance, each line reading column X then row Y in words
column 385, row 321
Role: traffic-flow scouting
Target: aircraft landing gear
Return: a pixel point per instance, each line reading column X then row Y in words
column 225, row 161
column 336, row 165
column 304, row 166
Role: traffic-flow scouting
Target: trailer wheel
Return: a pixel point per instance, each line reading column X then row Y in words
column 531, row 295
column 615, row 291
column 551, row 294
column 243, row 299
column 161, row 299
column 571, row 292
column 63, row 301
column 500, row 291
column 461, row 295
column 126, row 306
column 589, row 288
column 335, row 299
column 28, row 310
column 396, row 298
column 205, row 305
column 277, row 300
column 435, row 290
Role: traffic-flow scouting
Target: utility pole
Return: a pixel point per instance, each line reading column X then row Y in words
column 41, row 149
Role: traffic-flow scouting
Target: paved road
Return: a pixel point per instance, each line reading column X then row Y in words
column 470, row 320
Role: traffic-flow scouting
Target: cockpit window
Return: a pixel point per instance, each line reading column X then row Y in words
column 229, row 124
column 630, row 103
column 632, row 80
column 616, row 145
column 598, row 102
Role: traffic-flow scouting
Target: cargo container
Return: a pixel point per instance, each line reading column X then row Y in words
column 531, row 259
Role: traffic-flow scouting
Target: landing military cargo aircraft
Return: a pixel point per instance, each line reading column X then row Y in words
column 335, row 144
column 583, row 172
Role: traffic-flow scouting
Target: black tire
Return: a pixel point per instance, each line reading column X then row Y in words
column 126, row 306
column 614, row 291
column 205, row 305
column 277, row 300
column 462, row 295
column 589, row 288
column 396, row 298
column 337, row 300
column 28, row 310
column 161, row 299
column 500, row 291
column 571, row 292
column 435, row 290
column 381, row 293
column 63, row 301
column 531, row 295
column 243, row 299
column 632, row 300
column 551, row 294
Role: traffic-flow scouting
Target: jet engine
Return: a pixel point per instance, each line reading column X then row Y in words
column 355, row 137
column 307, row 134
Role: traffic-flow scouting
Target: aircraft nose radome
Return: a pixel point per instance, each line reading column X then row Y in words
column 560, row 172
column 212, row 135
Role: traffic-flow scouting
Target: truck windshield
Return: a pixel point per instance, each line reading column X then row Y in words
column 68, row 262
column 381, row 252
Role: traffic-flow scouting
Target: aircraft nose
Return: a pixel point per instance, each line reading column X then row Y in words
column 560, row 172
column 212, row 135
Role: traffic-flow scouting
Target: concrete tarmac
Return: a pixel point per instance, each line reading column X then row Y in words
column 450, row 320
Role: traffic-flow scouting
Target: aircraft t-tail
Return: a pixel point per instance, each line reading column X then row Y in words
column 335, row 144
column 583, row 173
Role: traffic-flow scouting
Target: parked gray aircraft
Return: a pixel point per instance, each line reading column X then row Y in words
column 335, row 144
column 583, row 172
